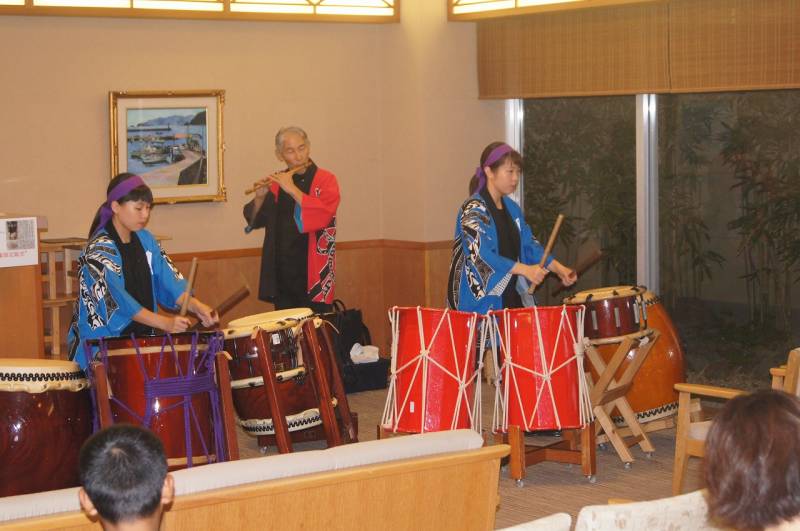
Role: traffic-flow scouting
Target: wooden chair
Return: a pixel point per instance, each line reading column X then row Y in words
column 690, row 438
column 786, row 376
column 608, row 393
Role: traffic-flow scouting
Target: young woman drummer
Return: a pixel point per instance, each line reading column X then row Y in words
column 124, row 274
column 495, row 255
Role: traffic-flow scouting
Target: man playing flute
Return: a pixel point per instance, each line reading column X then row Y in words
column 297, row 207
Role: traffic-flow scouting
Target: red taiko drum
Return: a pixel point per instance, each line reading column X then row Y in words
column 144, row 374
column 45, row 417
column 541, row 376
column 435, row 384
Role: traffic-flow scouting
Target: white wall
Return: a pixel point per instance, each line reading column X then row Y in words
column 391, row 109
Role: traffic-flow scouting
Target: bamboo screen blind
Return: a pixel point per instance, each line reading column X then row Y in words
column 669, row 46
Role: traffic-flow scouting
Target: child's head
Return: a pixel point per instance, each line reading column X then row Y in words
column 125, row 188
column 124, row 478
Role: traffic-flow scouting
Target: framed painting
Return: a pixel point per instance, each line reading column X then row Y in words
column 173, row 140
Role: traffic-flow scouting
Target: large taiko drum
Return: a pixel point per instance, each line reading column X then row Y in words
column 45, row 416
column 435, row 380
column 612, row 311
column 652, row 395
column 543, row 385
column 281, row 330
column 167, row 383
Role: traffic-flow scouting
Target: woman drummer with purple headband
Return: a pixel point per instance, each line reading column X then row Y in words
column 124, row 274
column 495, row 255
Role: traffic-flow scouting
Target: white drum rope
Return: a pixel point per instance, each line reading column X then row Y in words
column 390, row 408
column 394, row 409
column 509, row 369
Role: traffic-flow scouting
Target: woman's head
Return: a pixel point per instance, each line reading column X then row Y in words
column 752, row 461
column 499, row 165
column 129, row 199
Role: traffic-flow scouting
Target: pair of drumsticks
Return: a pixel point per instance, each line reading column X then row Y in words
column 223, row 307
column 579, row 269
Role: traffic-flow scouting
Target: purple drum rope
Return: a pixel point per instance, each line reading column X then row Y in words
column 199, row 378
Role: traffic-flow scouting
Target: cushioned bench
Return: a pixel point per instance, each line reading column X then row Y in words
column 444, row 480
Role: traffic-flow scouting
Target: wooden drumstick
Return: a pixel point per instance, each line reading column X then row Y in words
column 238, row 296
column 188, row 292
column 549, row 246
column 581, row 268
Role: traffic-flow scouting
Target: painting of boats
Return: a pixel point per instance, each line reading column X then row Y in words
column 173, row 139
column 167, row 147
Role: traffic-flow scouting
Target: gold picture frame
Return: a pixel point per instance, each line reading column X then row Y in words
column 172, row 139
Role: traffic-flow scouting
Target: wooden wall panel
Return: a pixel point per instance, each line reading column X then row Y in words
column 220, row 275
column 371, row 275
column 437, row 267
column 359, row 284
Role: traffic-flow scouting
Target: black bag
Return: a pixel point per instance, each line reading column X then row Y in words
column 350, row 329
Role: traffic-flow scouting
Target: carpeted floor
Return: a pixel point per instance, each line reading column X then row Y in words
column 549, row 487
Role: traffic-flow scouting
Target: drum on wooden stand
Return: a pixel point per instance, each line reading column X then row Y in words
column 656, row 397
column 299, row 398
column 652, row 395
column 435, row 374
column 541, row 365
column 168, row 385
column 611, row 312
column 46, row 415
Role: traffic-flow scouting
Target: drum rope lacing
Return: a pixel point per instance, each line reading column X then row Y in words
column 509, row 375
column 392, row 413
column 196, row 381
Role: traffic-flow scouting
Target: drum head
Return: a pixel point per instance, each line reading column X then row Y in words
column 267, row 321
column 599, row 294
column 33, row 375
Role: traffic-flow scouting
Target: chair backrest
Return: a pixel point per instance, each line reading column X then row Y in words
column 790, row 381
column 685, row 512
column 554, row 522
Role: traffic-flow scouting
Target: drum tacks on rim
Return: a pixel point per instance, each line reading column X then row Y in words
column 47, row 416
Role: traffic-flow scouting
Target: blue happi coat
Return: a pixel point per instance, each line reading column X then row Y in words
column 104, row 308
column 478, row 273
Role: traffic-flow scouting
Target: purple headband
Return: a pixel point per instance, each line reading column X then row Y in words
column 117, row 193
column 497, row 153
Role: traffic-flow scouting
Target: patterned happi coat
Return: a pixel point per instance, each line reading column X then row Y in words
column 316, row 216
column 104, row 308
column 478, row 273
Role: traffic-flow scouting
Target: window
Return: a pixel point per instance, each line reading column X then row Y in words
column 580, row 160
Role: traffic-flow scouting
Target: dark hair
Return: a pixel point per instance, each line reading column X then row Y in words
column 752, row 461
column 122, row 469
column 512, row 155
column 140, row 193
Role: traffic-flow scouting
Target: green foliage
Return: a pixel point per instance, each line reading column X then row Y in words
column 580, row 160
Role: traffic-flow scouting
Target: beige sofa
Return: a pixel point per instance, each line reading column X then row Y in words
column 444, row 480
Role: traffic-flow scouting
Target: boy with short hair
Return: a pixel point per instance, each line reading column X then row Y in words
column 123, row 472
